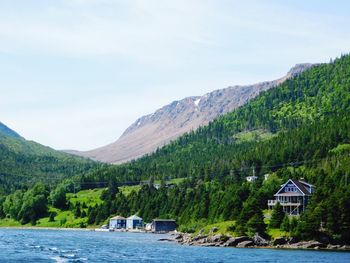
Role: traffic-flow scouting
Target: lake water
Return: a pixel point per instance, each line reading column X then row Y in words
column 87, row 246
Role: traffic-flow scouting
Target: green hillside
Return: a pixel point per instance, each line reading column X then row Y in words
column 23, row 163
column 299, row 129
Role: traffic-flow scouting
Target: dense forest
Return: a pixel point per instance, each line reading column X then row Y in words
column 300, row 129
column 24, row 163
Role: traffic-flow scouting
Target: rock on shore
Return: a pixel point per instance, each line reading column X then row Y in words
column 219, row 240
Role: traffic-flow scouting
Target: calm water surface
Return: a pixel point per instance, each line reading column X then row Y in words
column 88, row 246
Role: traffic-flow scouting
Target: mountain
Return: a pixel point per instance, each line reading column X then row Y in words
column 23, row 162
column 155, row 130
column 6, row 131
column 302, row 118
column 300, row 129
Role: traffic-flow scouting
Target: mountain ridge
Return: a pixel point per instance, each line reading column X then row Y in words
column 157, row 129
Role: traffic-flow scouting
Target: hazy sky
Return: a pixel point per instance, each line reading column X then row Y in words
column 74, row 74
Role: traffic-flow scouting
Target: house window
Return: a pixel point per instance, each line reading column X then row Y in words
column 291, row 189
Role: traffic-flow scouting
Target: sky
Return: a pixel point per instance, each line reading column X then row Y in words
column 74, row 74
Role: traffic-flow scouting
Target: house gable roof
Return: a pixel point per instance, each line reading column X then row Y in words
column 118, row 217
column 306, row 183
column 163, row 220
column 134, row 217
column 299, row 185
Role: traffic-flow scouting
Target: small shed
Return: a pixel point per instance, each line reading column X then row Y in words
column 134, row 222
column 117, row 222
column 163, row 225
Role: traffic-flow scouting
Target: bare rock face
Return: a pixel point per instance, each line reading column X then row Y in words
column 155, row 130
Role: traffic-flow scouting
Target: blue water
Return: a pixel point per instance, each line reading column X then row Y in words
column 88, row 246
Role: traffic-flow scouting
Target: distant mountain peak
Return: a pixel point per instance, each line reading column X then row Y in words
column 299, row 68
column 155, row 130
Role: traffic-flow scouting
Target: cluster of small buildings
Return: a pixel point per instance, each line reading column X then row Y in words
column 293, row 196
column 132, row 223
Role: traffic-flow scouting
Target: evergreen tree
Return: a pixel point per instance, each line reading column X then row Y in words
column 277, row 216
column 285, row 226
column 256, row 225
column 52, row 217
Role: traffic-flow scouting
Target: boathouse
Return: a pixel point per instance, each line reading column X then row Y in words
column 117, row 222
column 293, row 196
column 163, row 225
column 134, row 222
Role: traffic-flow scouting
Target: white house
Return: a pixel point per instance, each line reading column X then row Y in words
column 134, row 222
column 117, row 222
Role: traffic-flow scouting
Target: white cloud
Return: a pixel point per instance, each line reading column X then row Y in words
column 147, row 34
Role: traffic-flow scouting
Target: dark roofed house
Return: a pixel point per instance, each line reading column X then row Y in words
column 293, row 196
column 163, row 225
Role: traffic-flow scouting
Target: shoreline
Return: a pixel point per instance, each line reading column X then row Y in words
column 47, row 228
column 220, row 240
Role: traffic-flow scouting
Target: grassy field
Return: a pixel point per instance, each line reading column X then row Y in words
column 276, row 232
column 66, row 218
column 126, row 190
column 8, row 222
column 256, row 135
column 90, row 197
column 273, row 232
column 222, row 228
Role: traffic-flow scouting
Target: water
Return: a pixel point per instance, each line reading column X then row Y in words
column 87, row 246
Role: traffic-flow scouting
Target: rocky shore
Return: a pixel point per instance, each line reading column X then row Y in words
column 257, row 241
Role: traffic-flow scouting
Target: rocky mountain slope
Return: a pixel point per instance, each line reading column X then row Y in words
column 155, row 130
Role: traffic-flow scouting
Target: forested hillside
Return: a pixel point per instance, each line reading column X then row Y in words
column 23, row 163
column 299, row 129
